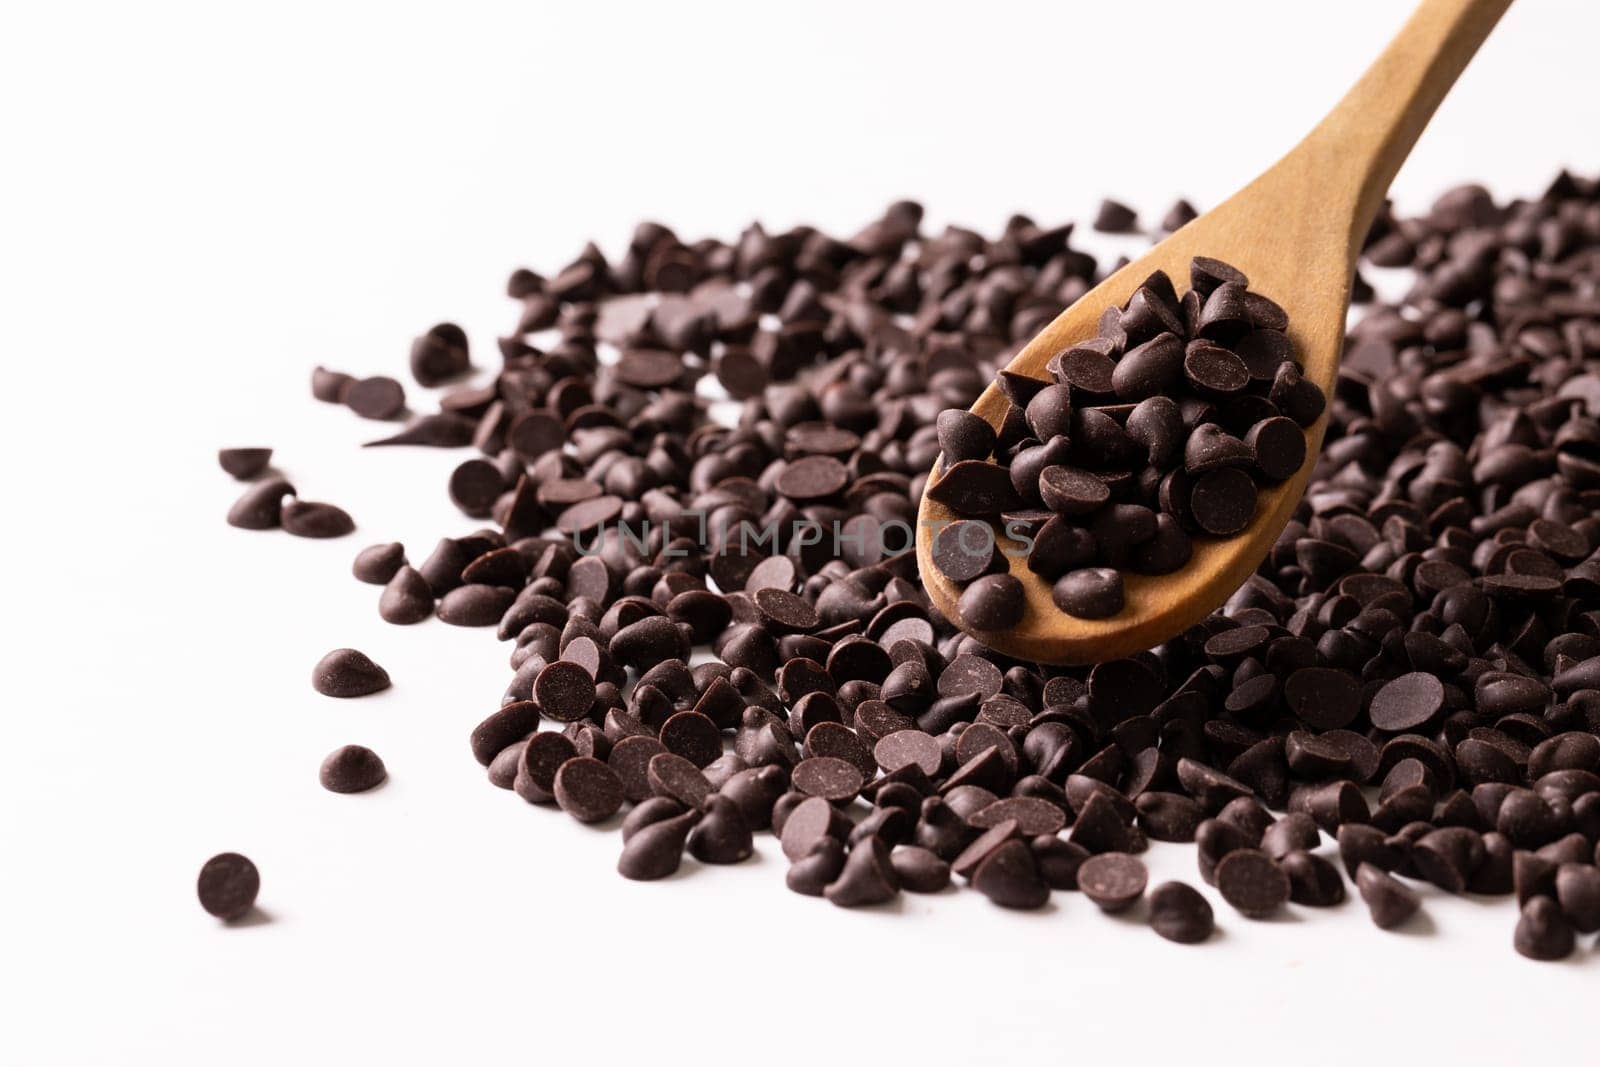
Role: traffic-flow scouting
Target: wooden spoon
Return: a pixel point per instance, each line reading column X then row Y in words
column 1295, row 232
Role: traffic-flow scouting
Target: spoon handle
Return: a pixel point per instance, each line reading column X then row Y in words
column 1361, row 143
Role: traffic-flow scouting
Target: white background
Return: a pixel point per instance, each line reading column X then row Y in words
column 201, row 202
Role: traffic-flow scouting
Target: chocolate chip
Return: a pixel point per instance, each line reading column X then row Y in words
column 812, row 873
column 439, row 355
column 1179, row 913
column 828, row 777
column 328, row 386
column 1407, row 702
column 1114, row 217
column 378, row 564
column 587, row 789
column 1113, row 880
column 1009, row 876
column 723, row 835
column 375, row 398
column 228, row 886
column 565, row 692
column 352, row 769
column 307, row 518
column 964, row 436
column 1542, row 932
column 1313, row 880
column 406, row 599
column 1324, row 698
column 971, row 487
column 993, row 602
column 1252, row 882
column 261, row 506
column 345, row 672
column 1090, row 593
column 1223, row 501
column 244, row 463
column 1389, row 902
column 475, row 605
column 655, row 850
column 919, row 870
column 867, row 877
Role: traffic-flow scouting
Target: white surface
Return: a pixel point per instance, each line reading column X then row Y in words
column 203, row 201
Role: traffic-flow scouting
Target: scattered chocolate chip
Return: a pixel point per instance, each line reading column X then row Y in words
column 261, row 506
column 1179, row 913
column 345, row 672
column 1388, row 901
column 378, row 564
column 1113, row 880
column 1252, row 882
column 1543, row 932
column 587, row 789
column 375, row 398
column 306, row 518
column 352, row 769
column 655, row 850
column 228, row 886
column 244, row 463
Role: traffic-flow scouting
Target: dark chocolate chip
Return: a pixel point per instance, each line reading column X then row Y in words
column 228, row 885
column 345, row 672
column 352, row 769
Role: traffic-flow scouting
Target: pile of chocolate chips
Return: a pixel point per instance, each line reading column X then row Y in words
column 1155, row 430
column 1414, row 673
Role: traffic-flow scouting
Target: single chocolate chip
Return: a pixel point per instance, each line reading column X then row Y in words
column 963, row 550
column 475, row 605
column 1114, row 217
column 1148, row 370
column 1543, row 932
column 308, row 518
column 1113, row 880
column 378, row 564
column 406, row 599
column 1252, row 882
column 228, row 885
column 1223, row 501
column 1214, row 371
column 1407, row 702
column 1323, row 698
column 345, row 672
column 963, row 435
column 565, row 691
column 352, row 769
column 375, row 398
column 671, row 775
column 1388, row 901
column 655, row 850
column 828, row 777
column 328, row 386
column 919, row 870
column 1313, row 880
column 867, row 877
column 1090, row 593
column 244, row 463
column 1009, row 876
column 440, row 354
column 261, row 506
column 587, row 789
column 813, row 872
column 723, row 835
column 1179, row 913
column 993, row 602
column 1278, row 447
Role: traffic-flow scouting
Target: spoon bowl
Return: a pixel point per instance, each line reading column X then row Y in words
column 1295, row 232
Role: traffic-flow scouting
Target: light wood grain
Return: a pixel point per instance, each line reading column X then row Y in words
column 1296, row 232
